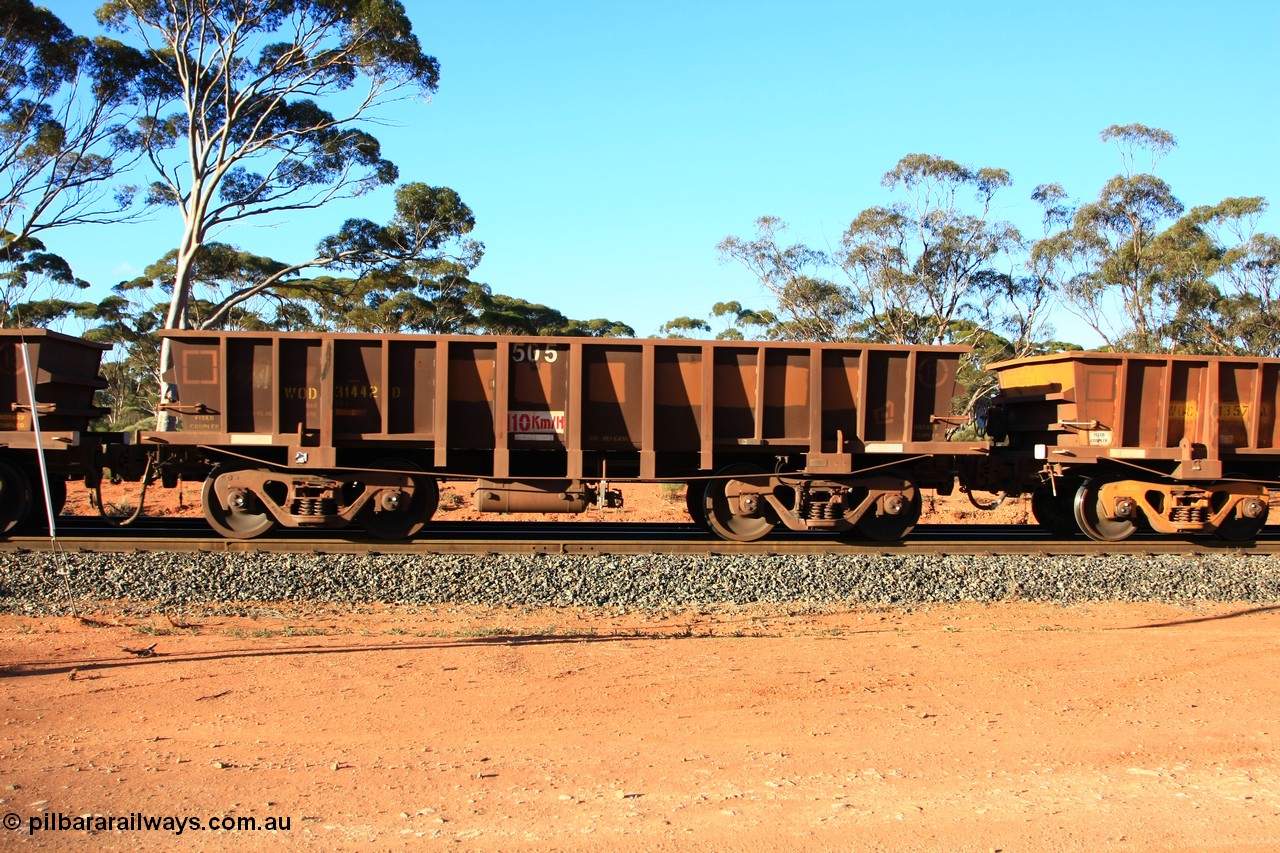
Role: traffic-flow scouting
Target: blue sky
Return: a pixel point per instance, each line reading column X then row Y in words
column 606, row 148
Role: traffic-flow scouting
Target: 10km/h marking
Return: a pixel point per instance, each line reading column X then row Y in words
column 535, row 423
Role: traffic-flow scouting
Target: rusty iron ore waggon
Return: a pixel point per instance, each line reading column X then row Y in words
column 1185, row 444
column 335, row 430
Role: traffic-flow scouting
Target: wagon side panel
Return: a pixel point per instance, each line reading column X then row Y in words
column 786, row 398
column 300, row 389
column 733, row 390
column 1268, row 407
column 678, row 399
column 199, row 373
column 938, row 394
column 537, row 395
column 250, row 386
column 842, row 414
column 410, row 388
column 470, row 405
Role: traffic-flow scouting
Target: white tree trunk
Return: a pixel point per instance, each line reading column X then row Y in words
column 166, row 421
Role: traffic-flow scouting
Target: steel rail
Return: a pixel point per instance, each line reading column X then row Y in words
column 595, row 539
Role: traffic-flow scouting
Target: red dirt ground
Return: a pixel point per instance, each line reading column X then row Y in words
column 1012, row 727
column 1016, row 727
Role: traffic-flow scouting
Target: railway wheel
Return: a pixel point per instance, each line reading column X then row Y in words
column 16, row 498
column 695, row 495
column 37, row 523
column 732, row 507
column 1095, row 519
column 1241, row 528
column 1056, row 513
column 892, row 517
column 401, row 513
column 242, row 516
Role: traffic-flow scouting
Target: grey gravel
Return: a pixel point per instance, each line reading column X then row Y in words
column 45, row 583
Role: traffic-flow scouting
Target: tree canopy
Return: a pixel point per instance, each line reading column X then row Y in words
column 65, row 102
column 937, row 265
column 1147, row 275
column 241, row 124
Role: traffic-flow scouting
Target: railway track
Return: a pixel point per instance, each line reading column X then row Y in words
column 597, row 539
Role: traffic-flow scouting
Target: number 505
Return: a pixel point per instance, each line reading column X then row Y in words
column 533, row 352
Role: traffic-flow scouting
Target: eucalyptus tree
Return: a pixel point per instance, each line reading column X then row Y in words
column 1149, row 275
column 433, row 298
column 739, row 324
column 130, row 370
column 510, row 315
column 597, row 327
column 227, row 290
column 927, row 269
column 1113, row 258
column 742, row 323
column 1225, row 280
column 1248, row 314
column 936, row 266
column 411, row 277
column 266, row 107
column 685, row 327
column 33, row 282
column 426, row 234
column 65, row 105
column 810, row 307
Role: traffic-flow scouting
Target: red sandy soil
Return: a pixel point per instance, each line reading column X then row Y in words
column 1015, row 727
column 1011, row 727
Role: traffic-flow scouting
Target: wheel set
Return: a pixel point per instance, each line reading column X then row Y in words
column 22, row 507
column 390, row 502
column 733, row 507
column 745, row 503
column 1109, row 509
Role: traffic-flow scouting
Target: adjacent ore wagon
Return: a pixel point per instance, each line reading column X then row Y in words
column 1186, row 444
column 326, row 430
column 61, row 373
